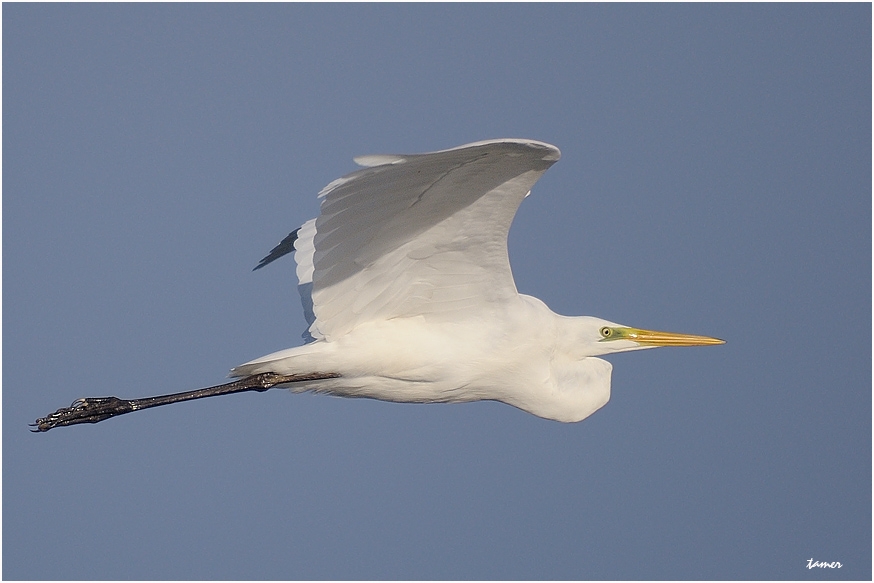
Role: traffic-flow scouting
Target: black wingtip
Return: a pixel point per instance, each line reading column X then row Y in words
column 285, row 247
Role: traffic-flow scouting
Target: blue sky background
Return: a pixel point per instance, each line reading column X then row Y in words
column 715, row 179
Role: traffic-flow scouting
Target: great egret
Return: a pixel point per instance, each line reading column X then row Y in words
column 406, row 285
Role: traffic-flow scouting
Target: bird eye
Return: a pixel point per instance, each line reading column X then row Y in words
column 606, row 332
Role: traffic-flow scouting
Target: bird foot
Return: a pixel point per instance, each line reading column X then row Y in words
column 91, row 410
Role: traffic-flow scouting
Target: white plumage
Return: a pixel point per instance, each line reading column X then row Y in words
column 406, row 284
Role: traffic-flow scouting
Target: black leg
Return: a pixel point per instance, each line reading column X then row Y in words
column 96, row 409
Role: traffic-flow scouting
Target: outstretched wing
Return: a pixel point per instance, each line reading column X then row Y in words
column 422, row 234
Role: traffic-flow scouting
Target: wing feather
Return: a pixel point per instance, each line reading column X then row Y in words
column 422, row 234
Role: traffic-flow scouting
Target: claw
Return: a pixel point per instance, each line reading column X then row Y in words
column 83, row 411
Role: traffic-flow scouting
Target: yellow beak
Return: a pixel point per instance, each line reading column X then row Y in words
column 654, row 338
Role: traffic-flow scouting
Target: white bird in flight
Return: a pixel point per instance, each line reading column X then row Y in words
column 406, row 284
